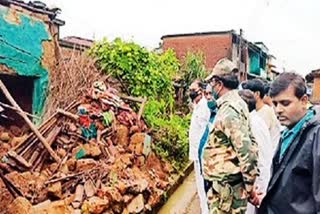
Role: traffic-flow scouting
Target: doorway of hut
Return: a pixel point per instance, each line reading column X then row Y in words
column 21, row 89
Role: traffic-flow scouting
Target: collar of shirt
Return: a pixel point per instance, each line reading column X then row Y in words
column 227, row 96
column 288, row 134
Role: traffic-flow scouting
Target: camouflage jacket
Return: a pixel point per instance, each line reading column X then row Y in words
column 230, row 153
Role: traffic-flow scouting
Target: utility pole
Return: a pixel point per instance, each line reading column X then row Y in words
column 241, row 75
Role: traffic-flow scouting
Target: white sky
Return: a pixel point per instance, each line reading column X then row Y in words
column 289, row 28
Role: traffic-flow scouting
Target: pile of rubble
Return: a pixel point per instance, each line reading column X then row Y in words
column 92, row 157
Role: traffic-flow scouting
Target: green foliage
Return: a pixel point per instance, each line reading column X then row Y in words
column 147, row 73
column 171, row 140
column 171, row 133
column 193, row 67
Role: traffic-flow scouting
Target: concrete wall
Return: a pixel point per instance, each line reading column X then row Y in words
column 28, row 47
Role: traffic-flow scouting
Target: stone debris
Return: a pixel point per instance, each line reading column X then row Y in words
column 106, row 162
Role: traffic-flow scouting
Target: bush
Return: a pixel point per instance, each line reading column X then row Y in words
column 170, row 133
column 144, row 73
column 147, row 73
column 193, row 67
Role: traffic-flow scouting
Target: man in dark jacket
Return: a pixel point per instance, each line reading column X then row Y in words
column 294, row 186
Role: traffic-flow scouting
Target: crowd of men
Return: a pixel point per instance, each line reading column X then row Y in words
column 255, row 145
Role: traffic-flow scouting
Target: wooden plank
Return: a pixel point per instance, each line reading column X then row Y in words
column 142, row 108
column 27, row 120
column 15, row 109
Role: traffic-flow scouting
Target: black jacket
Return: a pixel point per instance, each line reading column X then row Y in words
column 294, row 186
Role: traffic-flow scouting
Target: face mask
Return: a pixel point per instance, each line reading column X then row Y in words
column 193, row 95
column 211, row 104
column 215, row 94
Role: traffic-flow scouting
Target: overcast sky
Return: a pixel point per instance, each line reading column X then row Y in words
column 289, row 28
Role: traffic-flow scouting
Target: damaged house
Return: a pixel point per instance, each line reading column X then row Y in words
column 29, row 34
column 252, row 59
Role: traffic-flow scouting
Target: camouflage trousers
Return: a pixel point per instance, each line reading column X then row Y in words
column 225, row 199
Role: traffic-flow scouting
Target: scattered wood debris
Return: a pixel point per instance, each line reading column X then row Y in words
column 100, row 160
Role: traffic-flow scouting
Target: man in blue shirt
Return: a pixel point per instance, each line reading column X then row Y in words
column 294, row 186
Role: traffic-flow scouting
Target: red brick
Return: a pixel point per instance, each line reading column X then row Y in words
column 214, row 47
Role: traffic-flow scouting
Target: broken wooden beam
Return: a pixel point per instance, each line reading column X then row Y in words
column 45, row 126
column 15, row 109
column 135, row 99
column 142, row 108
column 51, row 138
column 64, row 178
column 27, row 120
column 19, row 159
column 31, row 138
column 68, row 114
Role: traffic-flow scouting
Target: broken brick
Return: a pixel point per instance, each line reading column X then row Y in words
column 136, row 143
column 16, row 140
column 55, row 190
column 4, row 148
column 5, row 136
column 97, row 205
column 112, row 193
column 78, row 196
column 92, row 149
column 22, row 181
column 121, row 135
column 139, row 161
column 56, row 207
column 85, row 164
column 5, row 197
column 89, row 188
column 137, row 186
column 71, row 163
column 154, row 163
column 119, row 181
column 20, row 206
column 136, row 205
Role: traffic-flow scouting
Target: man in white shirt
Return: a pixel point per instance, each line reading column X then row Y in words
column 262, row 136
column 265, row 111
column 199, row 120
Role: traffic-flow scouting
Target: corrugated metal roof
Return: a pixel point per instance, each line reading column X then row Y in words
column 76, row 42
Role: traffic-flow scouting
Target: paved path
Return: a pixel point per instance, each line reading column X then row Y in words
column 184, row 200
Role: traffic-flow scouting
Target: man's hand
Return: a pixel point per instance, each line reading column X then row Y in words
column 255, row 197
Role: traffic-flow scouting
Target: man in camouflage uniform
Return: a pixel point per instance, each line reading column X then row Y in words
column 229, row 158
